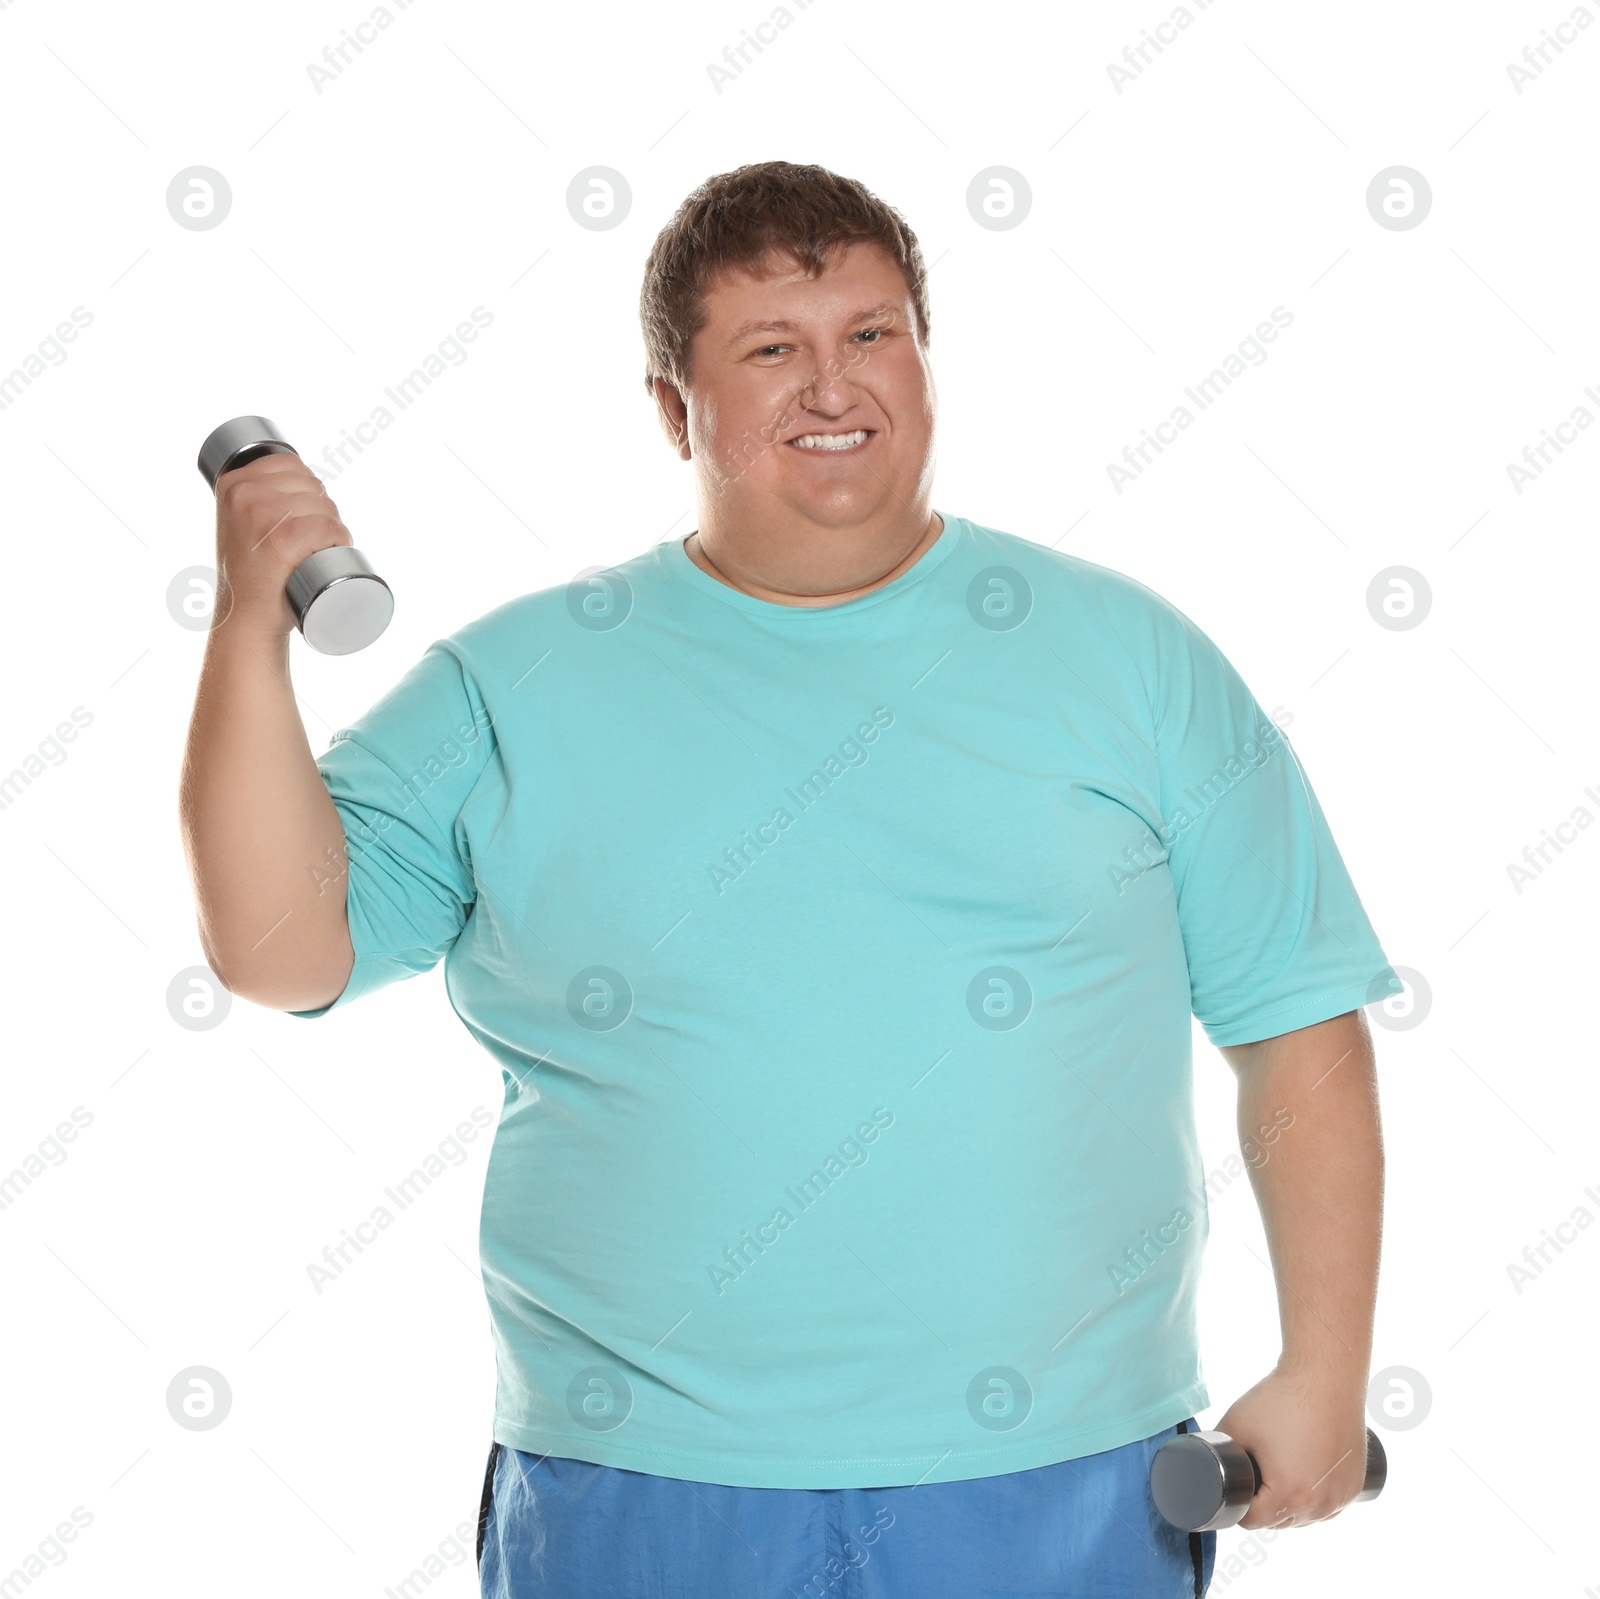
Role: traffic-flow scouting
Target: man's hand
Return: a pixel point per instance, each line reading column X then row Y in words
column 1308, row 1433
column 272, row 513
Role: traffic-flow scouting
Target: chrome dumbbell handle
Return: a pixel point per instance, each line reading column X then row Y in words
column 340, row 603
column 1202, row 1481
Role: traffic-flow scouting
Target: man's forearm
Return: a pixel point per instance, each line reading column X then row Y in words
column 264, row 841
column 1309, row 1123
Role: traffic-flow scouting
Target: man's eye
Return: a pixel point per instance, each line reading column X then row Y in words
column 865, row 331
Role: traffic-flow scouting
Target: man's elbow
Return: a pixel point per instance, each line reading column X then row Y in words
column 275, row 988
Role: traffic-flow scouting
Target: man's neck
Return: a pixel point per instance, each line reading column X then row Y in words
column 752, row 584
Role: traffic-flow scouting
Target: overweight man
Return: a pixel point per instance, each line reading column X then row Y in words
column 834, row 888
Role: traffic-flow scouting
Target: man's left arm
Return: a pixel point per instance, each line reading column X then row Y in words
column 1309, row 1127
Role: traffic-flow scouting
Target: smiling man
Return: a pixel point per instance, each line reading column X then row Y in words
column 835, row 888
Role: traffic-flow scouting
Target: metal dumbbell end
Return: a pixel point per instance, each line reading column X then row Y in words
column 340, row 604
column 1201, row 1481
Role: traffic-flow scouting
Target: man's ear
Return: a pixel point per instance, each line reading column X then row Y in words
column 673, row 414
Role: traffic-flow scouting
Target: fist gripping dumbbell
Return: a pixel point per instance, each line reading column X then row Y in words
column 340, row 604
column 1201, row 1481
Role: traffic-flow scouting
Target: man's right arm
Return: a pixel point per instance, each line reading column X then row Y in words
column 264, row 841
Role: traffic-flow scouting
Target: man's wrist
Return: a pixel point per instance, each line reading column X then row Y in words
column 233, row 637
column 1327, row 1365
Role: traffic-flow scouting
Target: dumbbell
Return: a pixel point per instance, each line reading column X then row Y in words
column 340, row 604
column 1201, row 1481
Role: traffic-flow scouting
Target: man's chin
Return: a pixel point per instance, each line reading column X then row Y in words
column 841, row 512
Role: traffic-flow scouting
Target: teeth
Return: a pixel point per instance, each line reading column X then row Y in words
column 831, row 441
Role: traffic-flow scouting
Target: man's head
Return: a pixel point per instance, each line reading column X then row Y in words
column 783, row 303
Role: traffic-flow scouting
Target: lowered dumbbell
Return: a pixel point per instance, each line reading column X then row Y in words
column 1201, row 1481
column 340, row 604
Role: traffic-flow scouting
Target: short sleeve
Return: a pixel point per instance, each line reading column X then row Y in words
column 399, row 778
column 1274, row 932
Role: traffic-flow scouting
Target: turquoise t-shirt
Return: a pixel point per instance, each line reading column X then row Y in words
column 839, row 964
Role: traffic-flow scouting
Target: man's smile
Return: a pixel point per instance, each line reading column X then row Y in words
column 833, row 443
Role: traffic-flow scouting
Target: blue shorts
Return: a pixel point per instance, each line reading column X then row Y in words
column 1081, row 1529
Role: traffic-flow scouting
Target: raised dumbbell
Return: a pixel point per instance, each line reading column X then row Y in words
column 340, row 604
column 1201, row 1481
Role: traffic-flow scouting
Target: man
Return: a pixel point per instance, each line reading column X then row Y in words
column 834, row 887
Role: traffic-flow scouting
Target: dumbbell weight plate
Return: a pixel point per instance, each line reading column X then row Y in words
column 340, row 603
column 1377, row 1468
column 1201, row 1481
column 237, row 443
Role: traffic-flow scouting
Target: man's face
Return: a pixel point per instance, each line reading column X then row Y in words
column 786, row 371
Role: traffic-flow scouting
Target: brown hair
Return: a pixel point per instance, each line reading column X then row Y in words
column 734, row 220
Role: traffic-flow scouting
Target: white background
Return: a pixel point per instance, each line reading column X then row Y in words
column 1167, row 220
